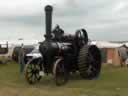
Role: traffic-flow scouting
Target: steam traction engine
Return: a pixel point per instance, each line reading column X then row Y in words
column 62, row 54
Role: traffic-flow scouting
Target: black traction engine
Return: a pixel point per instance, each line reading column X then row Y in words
column 64, row 53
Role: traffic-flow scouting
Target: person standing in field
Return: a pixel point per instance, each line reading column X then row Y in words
column 21, row 58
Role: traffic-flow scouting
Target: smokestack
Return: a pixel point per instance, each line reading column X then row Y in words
column 48, row 21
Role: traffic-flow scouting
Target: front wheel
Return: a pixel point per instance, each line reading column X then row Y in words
column 59, row 72
column 32, row 70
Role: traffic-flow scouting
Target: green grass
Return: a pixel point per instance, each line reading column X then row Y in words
column 113, row 81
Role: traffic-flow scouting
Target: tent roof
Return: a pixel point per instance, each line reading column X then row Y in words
column 104, row 44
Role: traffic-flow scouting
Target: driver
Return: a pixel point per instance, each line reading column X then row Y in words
column 58, row 32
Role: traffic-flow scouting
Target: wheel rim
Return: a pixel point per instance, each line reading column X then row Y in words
column 59, row 72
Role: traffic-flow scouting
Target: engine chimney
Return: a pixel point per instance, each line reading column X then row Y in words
column 48, row 21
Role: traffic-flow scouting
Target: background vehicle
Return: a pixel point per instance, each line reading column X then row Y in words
column 4, row 53
column 15, row 54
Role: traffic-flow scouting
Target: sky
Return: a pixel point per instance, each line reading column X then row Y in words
column 103, row 19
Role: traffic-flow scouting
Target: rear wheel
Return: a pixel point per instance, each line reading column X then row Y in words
column 89, row 62
column 59, row 72
column 32, row 70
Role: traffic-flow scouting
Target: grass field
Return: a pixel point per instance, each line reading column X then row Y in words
column 113, row 81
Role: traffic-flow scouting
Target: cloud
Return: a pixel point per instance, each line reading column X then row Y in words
column 19, row 7
column 103, row 19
